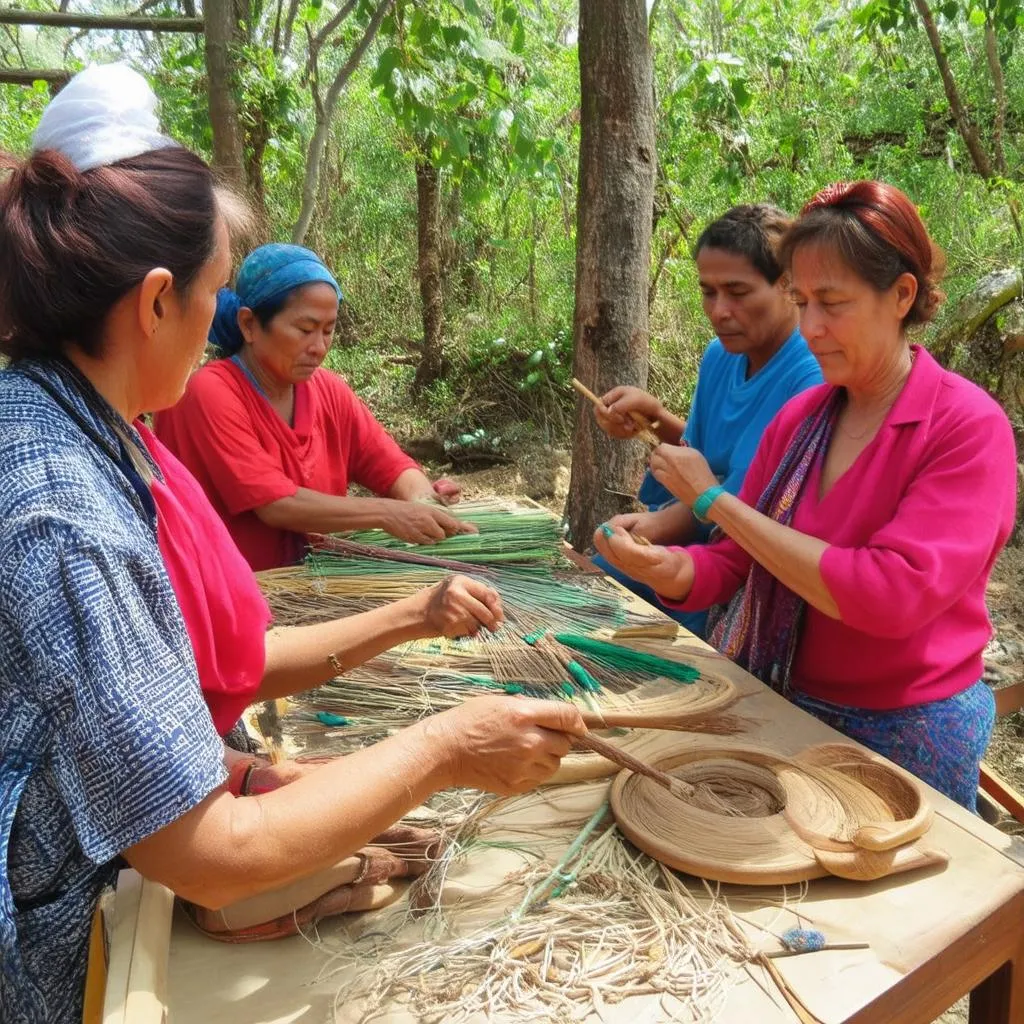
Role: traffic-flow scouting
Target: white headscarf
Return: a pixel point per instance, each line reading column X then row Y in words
column 104, row 114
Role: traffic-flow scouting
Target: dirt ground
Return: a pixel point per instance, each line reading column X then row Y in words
column 545, row 477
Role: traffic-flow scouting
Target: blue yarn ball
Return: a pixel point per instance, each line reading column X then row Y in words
column 803, row 940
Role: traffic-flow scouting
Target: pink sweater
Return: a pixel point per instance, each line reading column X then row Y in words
column 915, row 525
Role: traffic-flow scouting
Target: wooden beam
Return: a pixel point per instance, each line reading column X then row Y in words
column 26, row 76
column 1009, row 699
column 58, row 19
column 1002, row 792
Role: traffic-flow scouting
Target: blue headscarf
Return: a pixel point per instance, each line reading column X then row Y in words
column 267, row 276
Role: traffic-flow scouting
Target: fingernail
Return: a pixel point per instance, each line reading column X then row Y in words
column 606, row 530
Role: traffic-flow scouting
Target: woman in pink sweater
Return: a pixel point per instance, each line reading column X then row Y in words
column 850, row 571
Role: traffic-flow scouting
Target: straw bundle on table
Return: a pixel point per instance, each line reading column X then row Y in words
column 507, row 532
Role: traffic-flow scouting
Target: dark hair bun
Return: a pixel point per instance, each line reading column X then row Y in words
column 72, row 243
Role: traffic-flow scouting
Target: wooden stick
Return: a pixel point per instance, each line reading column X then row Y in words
column 677, row 787
column 645, row 433
column 775, row 954
column 327, row 542
column 803, row 1014
column 696, row 722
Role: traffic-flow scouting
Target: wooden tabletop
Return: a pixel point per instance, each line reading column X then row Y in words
column 933, row 935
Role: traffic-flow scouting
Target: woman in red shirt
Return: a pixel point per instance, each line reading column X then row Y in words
column 275, row 440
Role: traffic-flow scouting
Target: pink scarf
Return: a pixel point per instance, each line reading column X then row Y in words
column 225, row 614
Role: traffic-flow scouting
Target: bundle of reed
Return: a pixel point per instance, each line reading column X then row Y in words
column 426, row 677
column 585, row 931
column 507, row 533
column 533, row 596
column 617, row 684
column 835, row 809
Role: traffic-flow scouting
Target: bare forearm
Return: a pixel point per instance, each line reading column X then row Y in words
column 673, row 524
column 793, row 558
column 411, row 485
column 315, row 512
column 300, row 657
column 250, row 845
column 670, row 427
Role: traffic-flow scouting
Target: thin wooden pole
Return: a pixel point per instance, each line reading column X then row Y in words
column 101, row 21
column 26, row 76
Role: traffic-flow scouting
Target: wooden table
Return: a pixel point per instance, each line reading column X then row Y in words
column 934, row 936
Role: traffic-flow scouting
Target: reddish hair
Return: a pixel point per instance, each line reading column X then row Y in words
column 878, row 233
column 72, row 242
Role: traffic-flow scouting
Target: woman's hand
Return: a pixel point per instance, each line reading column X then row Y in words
column 505, row 745
column 458, row 606
column 684, row 471
column 448, row 492
column 669, row 525
column 420, row 522
column 667, row 571
column 615, row 419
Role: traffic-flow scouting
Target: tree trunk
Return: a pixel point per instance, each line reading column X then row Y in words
column 428, row 238
column 221, row 32
column 531, row 270
column 257, row 182
column 995, row 68
column 613, row 247
column 965, row 126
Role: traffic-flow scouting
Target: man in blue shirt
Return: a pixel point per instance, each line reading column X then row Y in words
column 757, row 362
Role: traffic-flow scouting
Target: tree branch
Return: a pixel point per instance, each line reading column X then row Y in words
column 276, row 47
column 58, row 19
column 26, row 76
column 81, row 33
column 318, row 143
column 968, row 132
column 317, row 41
column 289, row 25
column 13, row 36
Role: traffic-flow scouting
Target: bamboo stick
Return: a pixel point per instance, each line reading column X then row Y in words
column 646, row 431
column 677, row 787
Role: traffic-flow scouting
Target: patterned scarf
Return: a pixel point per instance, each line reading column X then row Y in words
column 760, row 627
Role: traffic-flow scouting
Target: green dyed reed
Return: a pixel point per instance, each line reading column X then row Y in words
column 627, row 659
column 507, row 533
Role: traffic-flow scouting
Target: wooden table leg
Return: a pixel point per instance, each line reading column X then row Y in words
column 999, row 999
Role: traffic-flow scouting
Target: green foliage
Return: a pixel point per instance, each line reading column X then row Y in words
column 20, row 109
column 755, row 100
column 460, row 89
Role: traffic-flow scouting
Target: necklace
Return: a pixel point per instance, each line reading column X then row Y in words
column 873, row 424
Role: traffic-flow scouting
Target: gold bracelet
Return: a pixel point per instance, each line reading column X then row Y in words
column 332, row 660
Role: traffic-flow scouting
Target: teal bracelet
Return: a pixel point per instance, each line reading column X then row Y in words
column 704, row 501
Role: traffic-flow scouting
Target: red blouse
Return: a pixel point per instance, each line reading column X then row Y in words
column 225, row 614
column 245, row 456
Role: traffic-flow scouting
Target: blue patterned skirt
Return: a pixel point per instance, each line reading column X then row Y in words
column 941, row 742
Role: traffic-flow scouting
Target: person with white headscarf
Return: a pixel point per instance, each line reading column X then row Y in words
column 120, row 588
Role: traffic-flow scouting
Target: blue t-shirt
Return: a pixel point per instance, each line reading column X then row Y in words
column 104, row 734
column 729, row 415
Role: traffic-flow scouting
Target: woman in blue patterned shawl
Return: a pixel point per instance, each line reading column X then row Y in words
column 113, row 245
